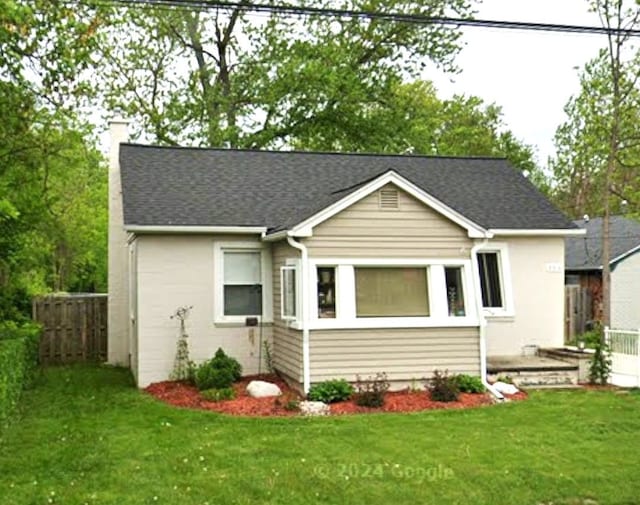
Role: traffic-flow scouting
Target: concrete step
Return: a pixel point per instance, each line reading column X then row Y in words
column 540, row 378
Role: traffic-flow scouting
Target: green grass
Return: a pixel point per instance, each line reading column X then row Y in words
column 85, row 435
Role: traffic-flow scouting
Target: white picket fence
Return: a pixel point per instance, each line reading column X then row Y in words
column 625, row 356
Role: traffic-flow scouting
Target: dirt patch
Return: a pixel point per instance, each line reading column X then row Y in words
column 181, row 394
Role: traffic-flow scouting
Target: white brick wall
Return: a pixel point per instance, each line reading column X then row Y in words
column 176, row 271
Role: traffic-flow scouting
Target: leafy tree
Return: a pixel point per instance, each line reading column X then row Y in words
column 412, row 118
column 614, row 84
column 222, row 77
column 52, row 186
column 580, row 165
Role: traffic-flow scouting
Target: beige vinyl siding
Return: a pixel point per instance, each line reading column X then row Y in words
column 403, row 354
column 412, row 230
column 287, row 342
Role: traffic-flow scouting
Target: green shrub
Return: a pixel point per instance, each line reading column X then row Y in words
column 218, row 373
column 218, row 395
column 469, row 384
column 443, row 387
column 18, row 363
column 600, row 367
column 208, row 377
column 335, row 390
column 292, row 405
column 371, row 392
column 590, row 338
column 221, row 360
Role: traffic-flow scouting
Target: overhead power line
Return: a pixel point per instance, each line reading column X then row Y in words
column 422, row 19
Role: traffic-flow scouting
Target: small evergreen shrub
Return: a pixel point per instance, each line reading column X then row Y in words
column 330, row 391
column 469, row 384
column 218, row 373
column 221, row 360
column 600, row 367
column 218, row 395
column 209, row 377
column 371, row 392
column 443, row 387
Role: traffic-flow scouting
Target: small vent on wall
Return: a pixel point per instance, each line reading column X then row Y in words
column 388, row 198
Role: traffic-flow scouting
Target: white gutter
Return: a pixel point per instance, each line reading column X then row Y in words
column 306, row 368
column 481, row 319
column 134, row 228
column 563, row 232
column 273, row 237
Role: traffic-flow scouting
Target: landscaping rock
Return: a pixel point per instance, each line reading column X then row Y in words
column 262, row 389
column 505, row 389
column 314, row 409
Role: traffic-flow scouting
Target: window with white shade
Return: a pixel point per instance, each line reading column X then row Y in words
column 242, row 283
column 391, row 292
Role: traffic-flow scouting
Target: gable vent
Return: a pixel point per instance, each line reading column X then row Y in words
column 388, row 198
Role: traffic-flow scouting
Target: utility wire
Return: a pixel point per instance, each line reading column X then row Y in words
column 420, row 19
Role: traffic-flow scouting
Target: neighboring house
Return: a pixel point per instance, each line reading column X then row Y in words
column 352, row 264
column 583, row 266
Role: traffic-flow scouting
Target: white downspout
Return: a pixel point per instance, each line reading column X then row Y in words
column 306, row 368
column 481, row 319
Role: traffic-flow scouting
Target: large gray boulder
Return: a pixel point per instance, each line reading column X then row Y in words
column 262, row 389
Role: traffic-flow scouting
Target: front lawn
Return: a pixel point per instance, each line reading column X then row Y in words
column 85, row 435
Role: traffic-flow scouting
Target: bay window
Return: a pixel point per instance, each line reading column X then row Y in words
column 391, row 293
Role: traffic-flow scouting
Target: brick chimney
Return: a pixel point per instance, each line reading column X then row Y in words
column 118, row 343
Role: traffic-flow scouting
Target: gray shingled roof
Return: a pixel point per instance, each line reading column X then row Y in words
column 223, row 187
column 585, row 253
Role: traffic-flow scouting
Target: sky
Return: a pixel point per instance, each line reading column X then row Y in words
column 530, row 74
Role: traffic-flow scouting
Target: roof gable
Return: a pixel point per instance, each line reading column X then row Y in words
column 192, row 187
column 585, row 253
column 305, row 228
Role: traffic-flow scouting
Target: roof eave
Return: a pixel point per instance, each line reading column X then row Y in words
column 552, row 232
column 179, row 229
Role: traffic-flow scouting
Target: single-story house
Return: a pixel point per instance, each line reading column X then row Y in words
column 347, row 264
column 583, row 267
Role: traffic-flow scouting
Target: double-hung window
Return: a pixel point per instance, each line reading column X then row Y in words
column 242, row 283
column 491, row 280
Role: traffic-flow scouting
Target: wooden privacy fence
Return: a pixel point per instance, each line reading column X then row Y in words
column 74, row 327
column 577, row 311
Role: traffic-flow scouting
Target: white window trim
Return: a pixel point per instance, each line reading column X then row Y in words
column 504, row 267
column 346, row 296
column 219, row 248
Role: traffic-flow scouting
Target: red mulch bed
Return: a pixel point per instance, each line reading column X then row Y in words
column 184, row 395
